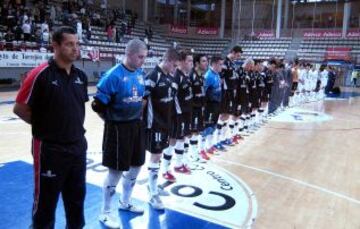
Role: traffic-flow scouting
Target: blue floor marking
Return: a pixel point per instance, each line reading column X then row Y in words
column 16, row 197
column 344, row 95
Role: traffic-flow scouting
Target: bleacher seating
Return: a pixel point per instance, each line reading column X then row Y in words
column 315, row 49
column 265, row 48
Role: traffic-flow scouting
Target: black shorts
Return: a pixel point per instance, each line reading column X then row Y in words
column 197, row 123
column 123, row 145
column 294, row 87
column 212, row 111
column 244, row 101
column 254, row 99
column 182, row 125
column 156, row 141
column 318, row 84
column 262, row 94
column 230, row 102
column 268, row 90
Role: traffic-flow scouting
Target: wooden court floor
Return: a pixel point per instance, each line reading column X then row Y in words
column 304, row 175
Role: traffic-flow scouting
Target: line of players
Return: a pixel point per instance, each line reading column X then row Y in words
column 309, row 84
column 188, row 108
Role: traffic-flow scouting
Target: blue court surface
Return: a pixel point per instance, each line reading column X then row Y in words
column 16, row 190
column 344, row 95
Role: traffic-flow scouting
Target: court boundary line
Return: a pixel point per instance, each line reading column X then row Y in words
column 294, row 129
column 297, row 181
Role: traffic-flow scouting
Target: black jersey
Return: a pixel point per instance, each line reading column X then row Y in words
column 269, row 78
column 160, row 92
column 244, row 80
column 252, row 81
column 197, row 84
column 260, row 80
column 184, row 92
column 230, row 75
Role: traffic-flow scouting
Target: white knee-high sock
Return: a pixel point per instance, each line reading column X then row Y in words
column 179, row 152
column 167, row 157
column 109, row 188
column 128, row 183
column 153, row 169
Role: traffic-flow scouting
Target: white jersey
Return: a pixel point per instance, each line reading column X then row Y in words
column 301, row 84
column 324, row 78
column 313, row 77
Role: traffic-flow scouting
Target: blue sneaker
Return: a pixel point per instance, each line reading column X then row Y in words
column 228, row 142
column 220, row 147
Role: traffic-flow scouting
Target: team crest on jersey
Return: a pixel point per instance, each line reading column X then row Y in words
column 140, row 79
column 135, row 98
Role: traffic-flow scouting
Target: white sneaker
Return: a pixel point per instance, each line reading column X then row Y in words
column 131, row 208
column 108, row 220
column 162, row 191
column 156, row 202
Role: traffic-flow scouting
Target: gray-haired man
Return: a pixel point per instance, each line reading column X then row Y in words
column 119, row 102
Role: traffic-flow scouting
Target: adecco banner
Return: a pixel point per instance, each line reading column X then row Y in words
column 265, row 34
column 90, row 53
column 330, row 33
column 338, row 53
column 353, row 34
column 22, row 59
column 178, row 29
column 207, row 30
column 322, row 33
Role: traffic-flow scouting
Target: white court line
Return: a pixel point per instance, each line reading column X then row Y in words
column 342, row 196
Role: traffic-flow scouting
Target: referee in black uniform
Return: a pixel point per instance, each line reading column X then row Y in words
column 52, row 100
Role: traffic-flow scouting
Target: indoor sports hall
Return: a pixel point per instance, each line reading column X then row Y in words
column 291, row 162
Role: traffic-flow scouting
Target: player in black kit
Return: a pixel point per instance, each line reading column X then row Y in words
column 226, row 123
column 160, row 94
column 182, row 122
column 197, row 142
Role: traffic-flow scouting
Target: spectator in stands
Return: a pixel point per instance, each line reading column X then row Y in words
column 114, row 33
column 87, row 28
column 79, row 30
column 331, row 80
column 44, row 26
column 134, row 17
column 109, row 32
column 146, row 41
column 24, row 17
column 11, row 20
column 22, row 47
column 103, row 4
column 37, row 36
column 52, row 13
column 42, row 49
column 122, row 29
column 45, row 37
column 148, row 32
column 18, row 33
column 9, row 38
column 128, row 29
column 36, row 12
column 26, row 28
column 354, row 76
column 83, row 11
